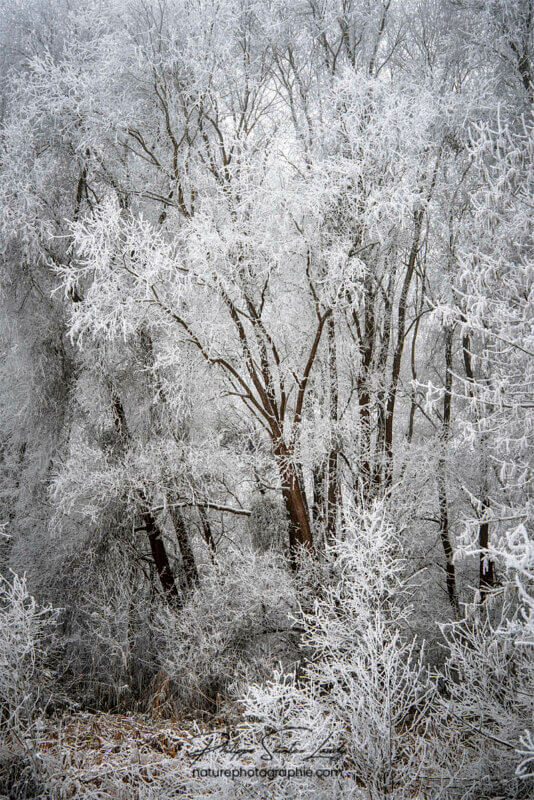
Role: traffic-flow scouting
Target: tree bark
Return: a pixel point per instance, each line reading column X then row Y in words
column 206, row 529
column 367, row 344
column 186, row 551
column 318, row 509
column 159, row 555
column 383, row 468
column 399, row 345
column 444, row 529
column 418, row 217
column 486, row 580
column 155, row 539
column 486, row 567
column 333, row 478
column 300, row 533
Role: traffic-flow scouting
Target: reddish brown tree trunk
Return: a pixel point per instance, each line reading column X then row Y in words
column 300, row 533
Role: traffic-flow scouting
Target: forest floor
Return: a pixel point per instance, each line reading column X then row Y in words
column 117, row 756
column 109, row 755
column 137, row 747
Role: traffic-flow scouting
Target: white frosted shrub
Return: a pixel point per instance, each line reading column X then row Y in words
column 27, row 636
column 363, row 683
column 490, row 676
column 25, row 633
column 234, row 626
column 116, row 650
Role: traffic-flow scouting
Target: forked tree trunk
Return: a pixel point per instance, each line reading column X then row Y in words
column 182, row 536
column 159, row 554
column 402, row 307
column 399, row 345
column 150, row 525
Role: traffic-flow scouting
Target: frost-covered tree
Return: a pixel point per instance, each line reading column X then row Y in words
column 363, row 686
column 266, row 268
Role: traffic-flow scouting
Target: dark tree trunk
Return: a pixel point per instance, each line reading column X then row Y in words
column 318, row 508
column 333, row 478
column 413, row 392
column 206, row 529
column 399, row 344
column 186, row 551
column 486, row 566
column 383, row 469
column 402, row 307
column 367, row 344
column 155, row 539
column 333, row 497
column 159, row 556
column 444, row 529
